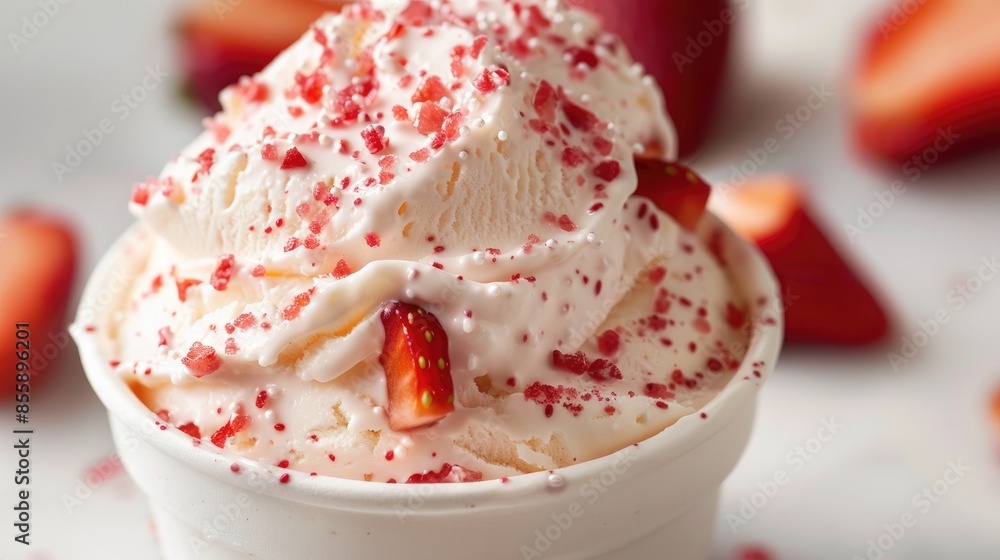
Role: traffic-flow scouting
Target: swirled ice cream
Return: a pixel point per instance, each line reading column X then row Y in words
column 472, row 158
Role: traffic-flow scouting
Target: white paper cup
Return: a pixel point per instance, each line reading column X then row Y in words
column 653, row 500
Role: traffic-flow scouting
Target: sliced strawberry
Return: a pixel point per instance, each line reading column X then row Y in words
column 826, row 302
column 675, row 189
column 417, row 368
column 996, row 411
column 39, row 256
column 930, row 79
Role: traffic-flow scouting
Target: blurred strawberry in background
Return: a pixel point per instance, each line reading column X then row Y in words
column 222, row 40
column 684, row 44
column 39, row 256
column 825, row 300
column 996, row 411
column 929, row 80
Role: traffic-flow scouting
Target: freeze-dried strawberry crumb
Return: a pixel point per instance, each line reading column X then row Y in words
column 416, row 13
column 190, row 429
column 342, row 270
column 269, row 152
column 490, row 80
column 140, row 193
column 447, row 474
column 565, row 223
column 292, row 244
column 223, row 273
column 608, row 342
column 231, row 347
column 399, row 113
column 201, row 360
column 235, row 425
column 301, row 301
column 258, row 271
column 545, row 102
column 608, row 170
column 374, row 137
column 657, row 391
column 602, row 370
column 430, row 118
column 294, row 159
column 574, row 156
column 311, row 242
column 245, row 321
column 183, row 286
column 432, row 90
column 253, row 91
column 478, row 44
column 372, row 239
column 657, row 274
column 310, row 87
column 579, row 55
column 579, row 118
column 205, row 161
column 574, row 363
column 437, row 140
column 452, row 125
column 603, row 146
column 421, row 155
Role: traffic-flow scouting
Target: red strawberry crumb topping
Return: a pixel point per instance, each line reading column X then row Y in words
column 374, row 137
column 447, row 474
column 201, row 360
column 608, row 342
column 294, row 159
column 223, row 273
column 190, row 429
column 237, row 423
column 608, row 170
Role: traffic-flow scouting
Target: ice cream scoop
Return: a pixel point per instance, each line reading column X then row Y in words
column 471, row 160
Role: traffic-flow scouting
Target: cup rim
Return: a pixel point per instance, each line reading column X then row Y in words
column 688, row 432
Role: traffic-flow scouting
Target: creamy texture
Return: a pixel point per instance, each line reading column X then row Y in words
column 472, row 157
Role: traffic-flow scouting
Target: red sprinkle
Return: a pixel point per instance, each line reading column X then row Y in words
column 261, row 399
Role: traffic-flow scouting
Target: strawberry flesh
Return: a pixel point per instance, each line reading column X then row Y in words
column 417, row 367
column 826, row 302
column 674, row 189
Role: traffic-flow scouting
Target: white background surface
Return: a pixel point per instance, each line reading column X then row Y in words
column 900, row 428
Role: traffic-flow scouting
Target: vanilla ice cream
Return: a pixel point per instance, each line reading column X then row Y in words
column 471, row 157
